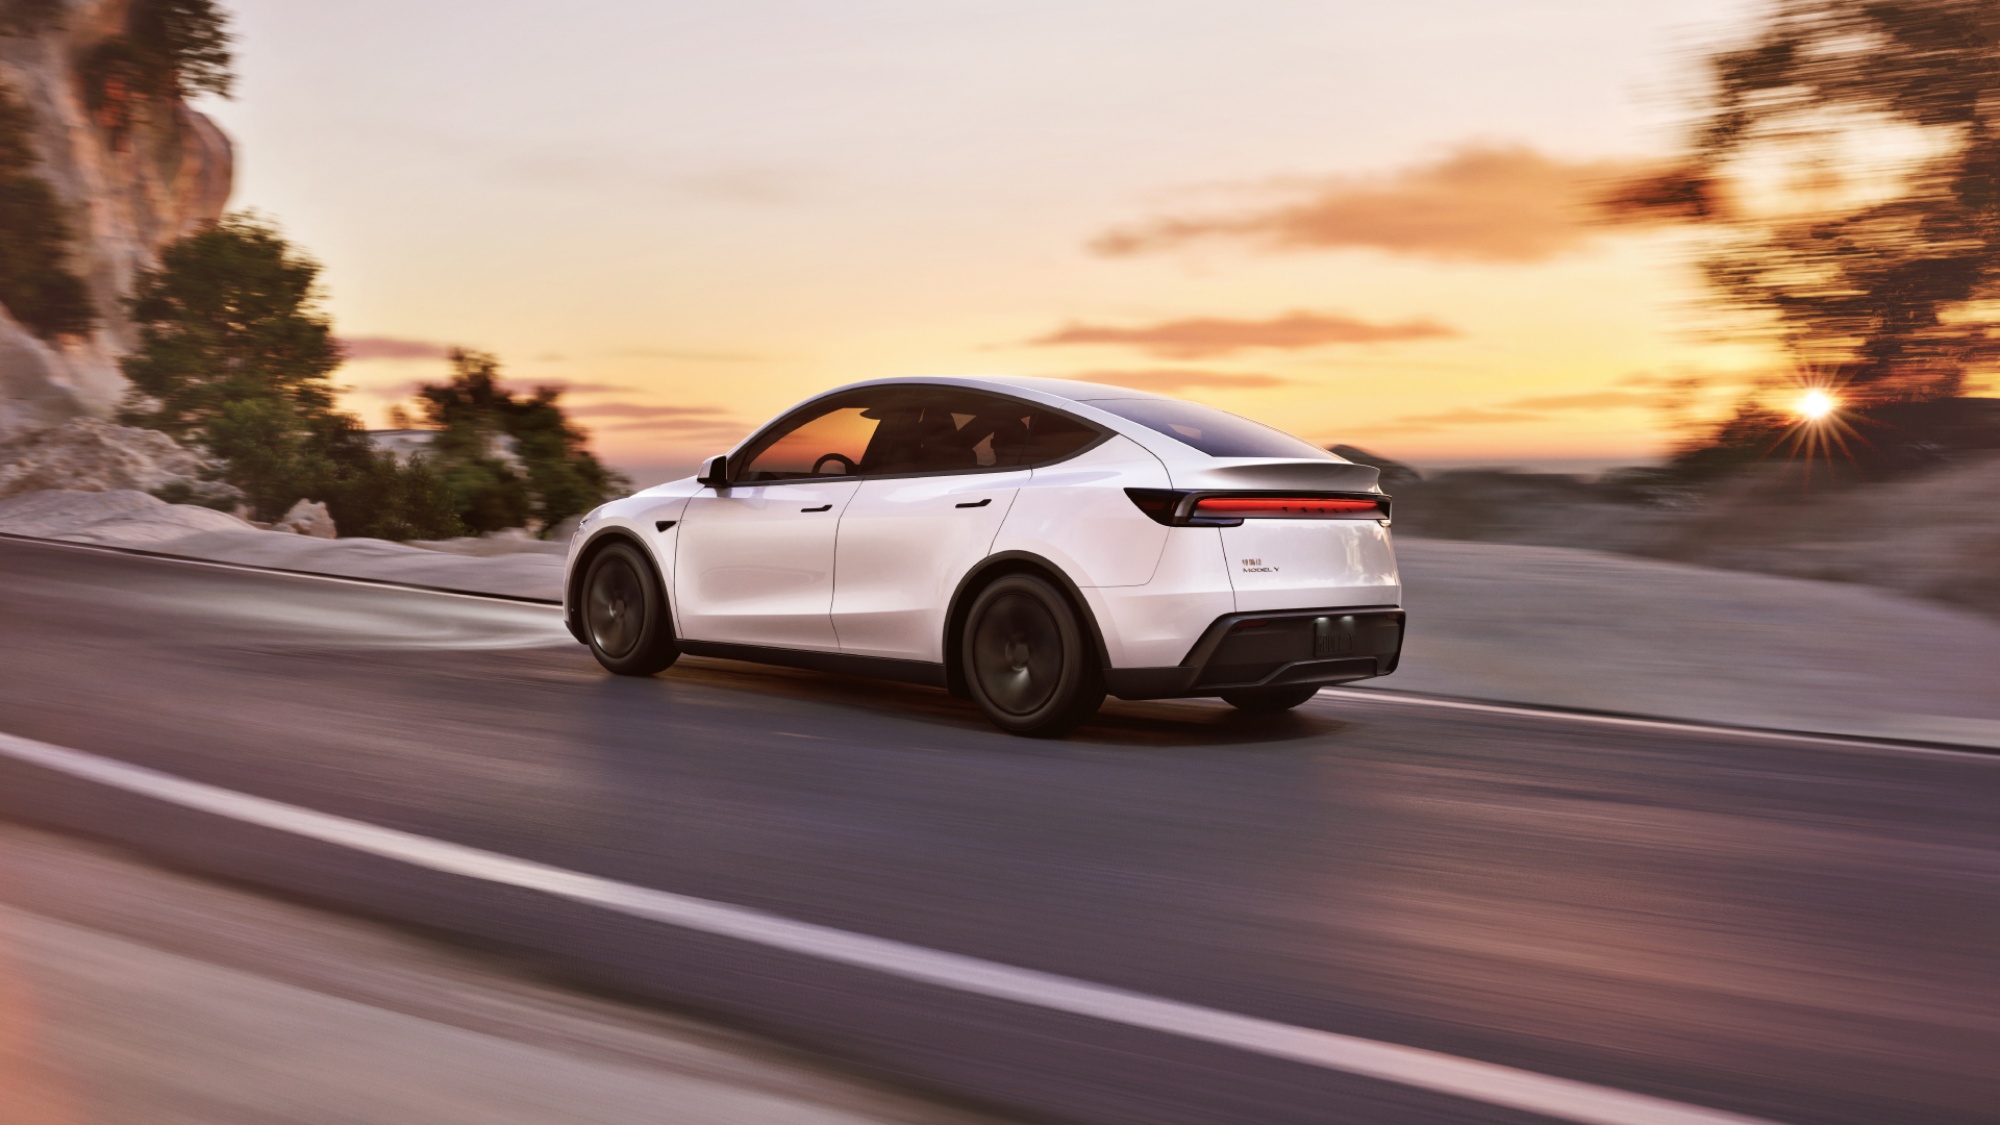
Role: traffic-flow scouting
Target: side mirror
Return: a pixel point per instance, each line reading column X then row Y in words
column 714, row 473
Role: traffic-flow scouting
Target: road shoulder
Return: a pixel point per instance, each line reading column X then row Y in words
column 144, row 995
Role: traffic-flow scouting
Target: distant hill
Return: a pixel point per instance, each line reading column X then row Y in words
column 1932, row 532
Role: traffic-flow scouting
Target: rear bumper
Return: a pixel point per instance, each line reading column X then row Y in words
column 1251, row 650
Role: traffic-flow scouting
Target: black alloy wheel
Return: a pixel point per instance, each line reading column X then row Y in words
column 1270, row 700
column 1028, row 661
column 625, row 613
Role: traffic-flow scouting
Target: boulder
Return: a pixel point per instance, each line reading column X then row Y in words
column 91, row 455
column 121, row 517
column 309, row 518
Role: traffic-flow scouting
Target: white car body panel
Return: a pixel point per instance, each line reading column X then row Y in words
column 638, row 517
column 905, row 542
column 1153, row 625
column 1076, row 515
column 754, row 565
column 1310, row 564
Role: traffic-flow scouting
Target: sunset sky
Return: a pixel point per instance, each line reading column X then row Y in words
column 1356, row 221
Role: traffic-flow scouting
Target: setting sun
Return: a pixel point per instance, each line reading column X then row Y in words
column 1816, row 404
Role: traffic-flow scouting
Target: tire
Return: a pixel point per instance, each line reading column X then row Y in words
column 1028, row 660
column 1269, row 700
column 624, row 613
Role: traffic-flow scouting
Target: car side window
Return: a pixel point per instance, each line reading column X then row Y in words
column 926, row 430
column 909, row 431
column 830, row 443
column 946, row 429
column 1052, row 437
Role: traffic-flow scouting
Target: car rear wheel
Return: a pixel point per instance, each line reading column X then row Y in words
column 1028, row 661
column 624, row 612
column 1269, row 700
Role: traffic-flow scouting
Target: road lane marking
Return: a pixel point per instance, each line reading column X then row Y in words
column 1561, row 1098
column 1661, row 723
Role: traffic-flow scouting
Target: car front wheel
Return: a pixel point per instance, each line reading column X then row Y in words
column 1028, row 661
column 624, row 613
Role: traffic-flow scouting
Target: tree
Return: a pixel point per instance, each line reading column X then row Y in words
column 235, row 356
column 1878, row 266
column 168, row 51
column 231, row 316
column 509, row 460
column 182, row 46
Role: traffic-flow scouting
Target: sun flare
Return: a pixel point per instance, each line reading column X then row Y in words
column 1815, row 405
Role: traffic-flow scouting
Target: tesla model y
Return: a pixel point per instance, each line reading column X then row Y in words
column 1032, row 544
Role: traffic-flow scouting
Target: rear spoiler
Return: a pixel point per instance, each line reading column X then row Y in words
column 1263, row 474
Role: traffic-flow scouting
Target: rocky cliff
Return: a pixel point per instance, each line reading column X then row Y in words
column 127, row 188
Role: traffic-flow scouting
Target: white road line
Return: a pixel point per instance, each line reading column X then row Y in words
column 1678, row 726
column 1492, row 1084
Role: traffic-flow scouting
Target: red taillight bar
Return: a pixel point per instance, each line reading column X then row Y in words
column 1295, row 507
column 1182, row 508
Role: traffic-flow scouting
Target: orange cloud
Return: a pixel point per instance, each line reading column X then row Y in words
column 1197, row 337
column 1464, row 416
column 389, row 347
column 691, row 356
column 394, row 391
column 639, row 410
column 1169, row 379
column 1534, row 408
column 704, row 422
column 1480, row 203
column 684, row 427
column 1595, row 400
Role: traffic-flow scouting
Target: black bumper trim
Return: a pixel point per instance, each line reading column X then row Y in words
column 1335, row 645
column 1149, row 683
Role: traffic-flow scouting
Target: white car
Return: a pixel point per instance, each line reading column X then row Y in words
column 1032, row 544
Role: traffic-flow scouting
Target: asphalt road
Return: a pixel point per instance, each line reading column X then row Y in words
column 1794, row 930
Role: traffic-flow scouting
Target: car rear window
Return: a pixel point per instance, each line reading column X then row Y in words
column 1212, row 431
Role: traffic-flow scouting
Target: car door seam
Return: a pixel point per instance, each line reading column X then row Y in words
column 833, row 575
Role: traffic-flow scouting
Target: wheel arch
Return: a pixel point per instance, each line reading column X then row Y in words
column 994, row 567
column 592, row 547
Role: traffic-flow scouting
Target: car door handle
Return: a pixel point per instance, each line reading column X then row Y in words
column 977, row 503
column 821, row 508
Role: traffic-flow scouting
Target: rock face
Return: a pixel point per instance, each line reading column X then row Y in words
column 123, row 518
column 309, row 518
column 128, row 197
column 92, row 455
